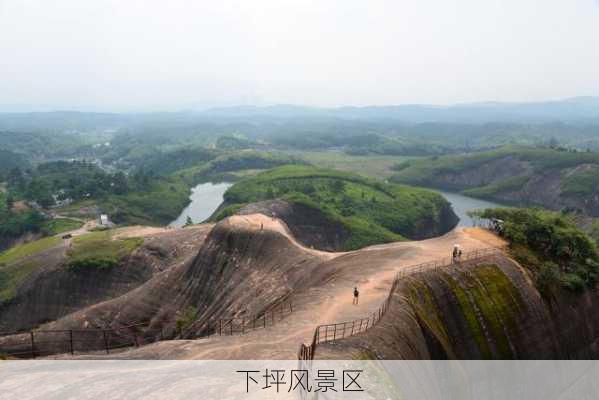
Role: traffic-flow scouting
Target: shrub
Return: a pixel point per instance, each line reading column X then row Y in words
column 553, row 241
column 548, row 278
column 573, row 282
column 99, row 250
column 90, row 263
column 187, row 317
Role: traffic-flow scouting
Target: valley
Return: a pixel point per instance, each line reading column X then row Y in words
column 310, row 200
column 265, row 234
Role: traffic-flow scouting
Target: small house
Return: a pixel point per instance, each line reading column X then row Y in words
column 104, row 220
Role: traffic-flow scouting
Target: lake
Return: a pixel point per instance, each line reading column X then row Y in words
column 205, row 199
column 462, row 204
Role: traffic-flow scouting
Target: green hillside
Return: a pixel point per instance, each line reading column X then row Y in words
column 556, row 251
column 373, row 212
column 555, row 178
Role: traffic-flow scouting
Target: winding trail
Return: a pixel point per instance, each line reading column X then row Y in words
column 371, row 269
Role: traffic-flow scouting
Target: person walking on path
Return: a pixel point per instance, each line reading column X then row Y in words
column 356, row 295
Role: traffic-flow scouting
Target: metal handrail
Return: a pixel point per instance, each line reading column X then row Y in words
column 30, row 346
column 340, row 330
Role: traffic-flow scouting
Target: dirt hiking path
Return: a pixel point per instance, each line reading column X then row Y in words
column 371, row 269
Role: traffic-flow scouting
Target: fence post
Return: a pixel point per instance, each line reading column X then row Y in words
column 352, row 327
column 290, row 307
column 231, row 321
column 335, row 332
column 220, row 327
column 32, row 345
column 105, row 341
column 344, row 324
column 243, row 325
column 71, row 340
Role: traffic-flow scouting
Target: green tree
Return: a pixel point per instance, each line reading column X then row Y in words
column 186, row 318
column 338, row 186
column 119, row 183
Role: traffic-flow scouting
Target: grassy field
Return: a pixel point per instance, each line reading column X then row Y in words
column 372, row 211
column 100, row 250
column 489, row 191
column 12, row 274
column 11, row 278
column 584, row 183
column 374, row 166
column 93, row 250
column 25, row 250
column 60, row 225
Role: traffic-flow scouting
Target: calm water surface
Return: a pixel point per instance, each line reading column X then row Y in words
column 205, row 199
column 462, row 204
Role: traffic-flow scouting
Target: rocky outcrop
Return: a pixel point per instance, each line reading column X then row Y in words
column 436, row 224
column 311, row 227
column 242, row 272
column 487, row 310
column 308, row 225
column 490, row 172
column 511, row 180
column 237, row 271
column 54, row 290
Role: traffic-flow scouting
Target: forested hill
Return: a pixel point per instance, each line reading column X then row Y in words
column 555, row 178
column 364, row 212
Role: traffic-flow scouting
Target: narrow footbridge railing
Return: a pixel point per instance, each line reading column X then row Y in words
column 331, row 332
column 242, row 325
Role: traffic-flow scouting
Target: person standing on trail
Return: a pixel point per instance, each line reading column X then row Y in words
column 356, row 295
column 261, row 226
column 274, row 215
column 455, row 253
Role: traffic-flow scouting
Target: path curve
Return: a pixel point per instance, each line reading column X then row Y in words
column 371, row 269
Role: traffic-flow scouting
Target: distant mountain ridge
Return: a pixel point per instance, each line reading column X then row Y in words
column 572, row 110
column 578, row 109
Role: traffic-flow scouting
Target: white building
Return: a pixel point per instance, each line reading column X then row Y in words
column 104, row 220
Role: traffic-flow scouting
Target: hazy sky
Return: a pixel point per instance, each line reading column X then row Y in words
column 128, row 55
